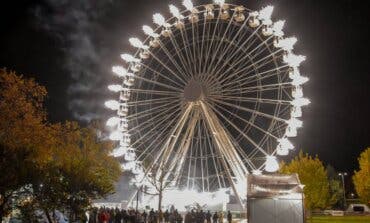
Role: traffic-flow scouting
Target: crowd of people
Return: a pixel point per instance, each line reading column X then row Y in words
column 116, row 215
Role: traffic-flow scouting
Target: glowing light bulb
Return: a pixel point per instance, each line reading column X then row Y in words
column 115, row 88
column 294, row 123
column 176, row 12
column 281, row 151
column 265, row 14
column 120, row 71
column 277, row 28
column 159, row 19
column 299, row 102
column 297, row 92
column 135, row 42
column 293, row 60
column 299, row 80
column 113, row 121
column 287, row 44
column 116, row 136
column 296, row 112
column 219, row 2
column 291, row 132
column 188, row 4
column 284, row 142
column 112, row 104
column 271, row 164
column 149, row 31
column 129, row 58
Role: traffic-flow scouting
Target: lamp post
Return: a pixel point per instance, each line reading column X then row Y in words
column 344, row 189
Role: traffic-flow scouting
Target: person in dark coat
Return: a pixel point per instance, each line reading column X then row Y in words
column 229, row 217
column 166, row 216
column 208, row 217
column 215, row 217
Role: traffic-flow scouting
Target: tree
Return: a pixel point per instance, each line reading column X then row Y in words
column 81, row 171
column 159, row 183
column 313, row 175
column 335, row 188
column 24, row 135
column 361, row 178
column 47, row 166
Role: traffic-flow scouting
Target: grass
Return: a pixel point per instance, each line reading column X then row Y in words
column 344, row 219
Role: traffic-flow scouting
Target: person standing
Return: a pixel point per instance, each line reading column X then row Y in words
column 215, row 217
column 221, row 217
column 229, row 217
column 208, row 216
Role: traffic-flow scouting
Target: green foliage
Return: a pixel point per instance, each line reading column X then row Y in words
column 361, row 178
column 313, row 175
column 336, row 188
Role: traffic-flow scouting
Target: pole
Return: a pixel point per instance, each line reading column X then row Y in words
column 344, row 189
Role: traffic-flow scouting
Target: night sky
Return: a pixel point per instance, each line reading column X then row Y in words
column 69, row 46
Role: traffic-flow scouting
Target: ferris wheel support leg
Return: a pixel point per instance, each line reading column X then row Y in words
column 222, row 141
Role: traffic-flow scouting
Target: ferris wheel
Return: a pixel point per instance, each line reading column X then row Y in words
column 210, row 95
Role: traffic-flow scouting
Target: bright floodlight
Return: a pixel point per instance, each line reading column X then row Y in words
column 285, row 143
column 129, row 58
column 265, row 14
column 277, row 27
column 188, row 4
column 135, row 42
column 120, row 71
column 219, row 2
column 115, row 87
column 175, row 12
column 287, row 44
column 113, row 121
column 116, row 136
column 300, row 102
column 271, row 164
column 293, row 60
column 299, row 80
column 112, row 104
column 294, row 123
column 159, row 19
column 149, row 31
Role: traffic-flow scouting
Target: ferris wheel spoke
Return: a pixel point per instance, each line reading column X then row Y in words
column 144, row 138
column 190, row 59
column 159, row 83
column 238, row 129
column 208, row 52
column 266, row 87
column 225, row 51
column 155, row 92
column 151, row 101
column 258, row 76
column 159, row 116
column 247, row 122
column 218, row 46
column 185, row 64
column 148, row 111
column 248, row 99
column 239, row 62
column 236, row 51
column 166, row 67
column 266, row 60
column 249, row 110
column 172, row 59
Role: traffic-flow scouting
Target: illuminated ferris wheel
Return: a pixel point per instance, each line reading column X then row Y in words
column 211, row 95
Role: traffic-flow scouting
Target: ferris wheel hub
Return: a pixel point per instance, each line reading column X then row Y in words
column 194, row 91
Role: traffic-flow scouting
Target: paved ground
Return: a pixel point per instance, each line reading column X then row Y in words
column 345, row 219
